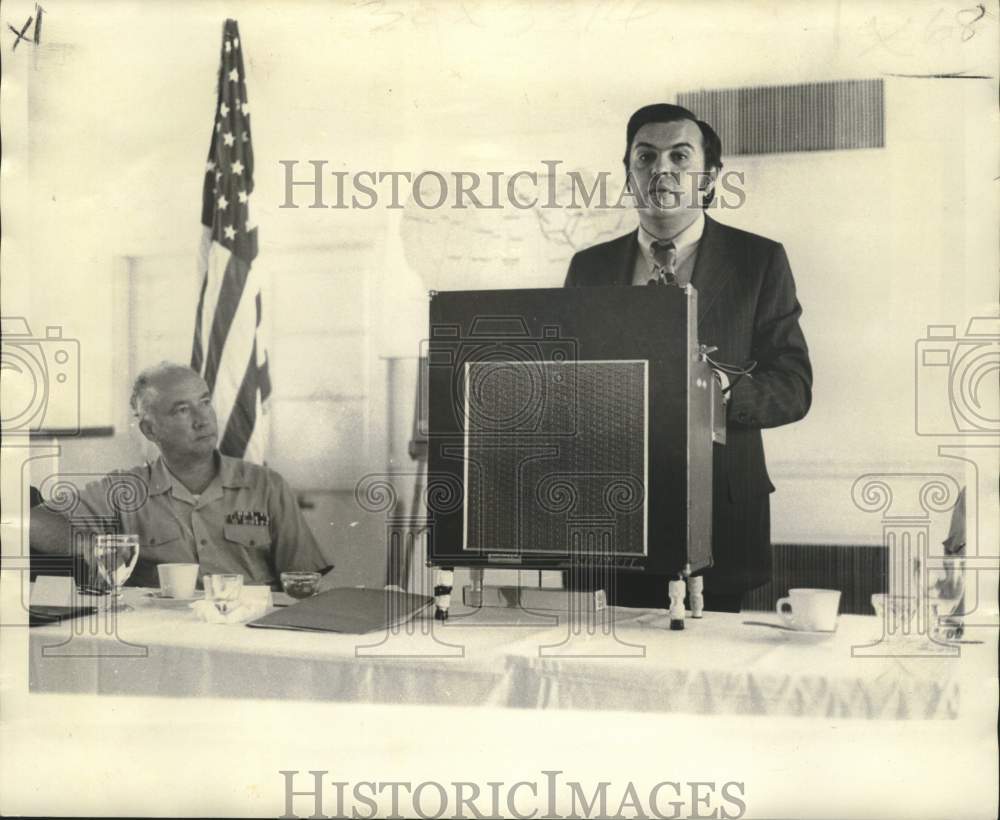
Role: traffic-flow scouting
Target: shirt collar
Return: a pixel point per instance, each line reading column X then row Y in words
column 160, row 478
column 231, row 474
column 689, row 236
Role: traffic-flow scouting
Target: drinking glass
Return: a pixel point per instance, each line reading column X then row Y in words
column 944, row 598
column 300, row 584
column 895, row 611
column 115, row 557
column 224, row 589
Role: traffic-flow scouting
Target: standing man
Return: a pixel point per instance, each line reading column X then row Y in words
column 747, row 310
column 192, row 504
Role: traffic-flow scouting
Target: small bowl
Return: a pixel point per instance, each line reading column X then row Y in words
column 300, row 584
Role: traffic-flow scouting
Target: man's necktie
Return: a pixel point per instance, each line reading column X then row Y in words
column 664, row 263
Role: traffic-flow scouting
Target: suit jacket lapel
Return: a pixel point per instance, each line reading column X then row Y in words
column 713, row 267
column 623, row 260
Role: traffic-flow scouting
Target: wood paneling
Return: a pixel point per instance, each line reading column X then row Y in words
column 857, row 571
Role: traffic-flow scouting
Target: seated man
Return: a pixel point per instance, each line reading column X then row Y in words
column 192, row 504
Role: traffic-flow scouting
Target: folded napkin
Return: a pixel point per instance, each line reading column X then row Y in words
column 952, row 584
column 253, row 603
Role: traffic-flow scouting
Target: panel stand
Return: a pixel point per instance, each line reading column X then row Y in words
column 444, row 579
column 532, row 598
column 676, row 591
column 696, row 595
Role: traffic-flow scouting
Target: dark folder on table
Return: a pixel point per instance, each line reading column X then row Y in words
column 45, row 615
column 352, row 610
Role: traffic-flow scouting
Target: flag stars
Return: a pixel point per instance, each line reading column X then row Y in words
column 223, row 203
column 224, row 109
column 229, row 46
column 229, row 139
column 229, row 231
column 236, row 42
column 245, row 108
column 242, row 195
column 245, row 138
column 234, row 76
column 218, row 127
column 236, row 167
column 210, row 166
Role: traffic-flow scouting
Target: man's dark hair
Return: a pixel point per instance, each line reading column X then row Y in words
column 665, row 112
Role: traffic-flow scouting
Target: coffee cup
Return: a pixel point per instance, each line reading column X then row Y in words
column 810, row 610
column 177, row 580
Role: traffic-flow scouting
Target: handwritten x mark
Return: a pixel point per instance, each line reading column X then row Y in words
column 20, row 34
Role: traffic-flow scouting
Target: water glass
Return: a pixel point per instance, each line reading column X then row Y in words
column 224, row 589
column 115, row 556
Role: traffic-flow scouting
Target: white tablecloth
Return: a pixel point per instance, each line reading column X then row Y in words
column 717, row 665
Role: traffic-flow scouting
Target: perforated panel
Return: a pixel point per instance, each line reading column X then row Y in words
column 569, row 472
column 826, row 116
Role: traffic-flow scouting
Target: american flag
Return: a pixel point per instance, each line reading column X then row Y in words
column 228, row 349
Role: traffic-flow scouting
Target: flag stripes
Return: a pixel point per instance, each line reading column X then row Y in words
column 245, row 408
column 227, row 302
column 228, row 348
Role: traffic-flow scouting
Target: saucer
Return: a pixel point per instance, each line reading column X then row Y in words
column 806, row 635
column 159, row 596
column 809, row 635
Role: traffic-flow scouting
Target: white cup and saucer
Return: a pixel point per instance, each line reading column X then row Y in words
column 177, row 581
column 810, row 611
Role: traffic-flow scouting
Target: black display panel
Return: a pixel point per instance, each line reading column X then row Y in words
column 565, row 417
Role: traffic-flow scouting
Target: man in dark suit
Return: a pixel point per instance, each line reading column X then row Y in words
column 747, row 309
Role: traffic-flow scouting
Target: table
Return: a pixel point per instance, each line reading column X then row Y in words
column 718, row 665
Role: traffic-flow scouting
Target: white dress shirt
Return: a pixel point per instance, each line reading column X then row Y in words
column 686, row 243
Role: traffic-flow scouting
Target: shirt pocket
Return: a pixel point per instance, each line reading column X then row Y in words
column 249, row 536
column 164, row 539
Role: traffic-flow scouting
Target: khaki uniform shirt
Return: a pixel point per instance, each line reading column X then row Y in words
column 246, row 521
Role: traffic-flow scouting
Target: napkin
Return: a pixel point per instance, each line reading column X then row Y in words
column 253, row 603
column 53, row 591
column 952, row 585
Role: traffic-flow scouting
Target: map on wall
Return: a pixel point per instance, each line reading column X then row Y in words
column 509, row 247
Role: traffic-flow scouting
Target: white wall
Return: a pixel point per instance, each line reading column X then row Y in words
column 879, row 244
